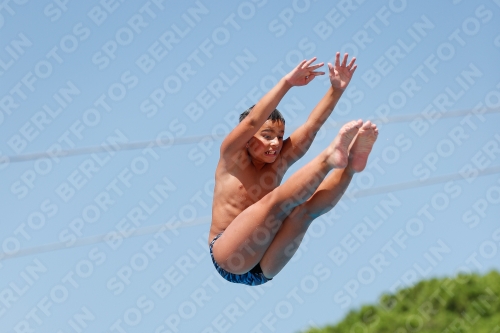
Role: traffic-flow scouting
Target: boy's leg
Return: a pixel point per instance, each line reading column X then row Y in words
column 289, row 237
column 247, row 238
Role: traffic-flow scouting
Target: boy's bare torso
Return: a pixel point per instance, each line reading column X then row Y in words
column 239, row 185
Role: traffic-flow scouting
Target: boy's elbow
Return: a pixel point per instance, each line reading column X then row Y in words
column 250, row 122
column 311, row 129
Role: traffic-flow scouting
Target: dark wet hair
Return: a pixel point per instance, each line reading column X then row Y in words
column 274, row 116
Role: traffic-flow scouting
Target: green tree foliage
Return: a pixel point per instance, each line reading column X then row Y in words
column 466, row 303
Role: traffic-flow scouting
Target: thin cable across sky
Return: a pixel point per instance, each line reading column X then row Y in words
column 195, row 139
column 202, row 220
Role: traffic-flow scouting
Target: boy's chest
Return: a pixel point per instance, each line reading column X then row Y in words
column 256, row 184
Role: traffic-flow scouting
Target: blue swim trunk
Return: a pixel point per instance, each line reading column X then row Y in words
column 254, row 277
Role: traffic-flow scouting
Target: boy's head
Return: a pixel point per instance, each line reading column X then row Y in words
column 274, row 116
column 266, row 144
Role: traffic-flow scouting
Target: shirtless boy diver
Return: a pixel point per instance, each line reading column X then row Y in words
column 258, row 224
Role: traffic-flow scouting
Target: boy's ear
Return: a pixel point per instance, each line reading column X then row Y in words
column 247, row 145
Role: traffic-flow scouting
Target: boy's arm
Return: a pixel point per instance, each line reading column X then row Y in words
column 243, row 132
column 301, row 139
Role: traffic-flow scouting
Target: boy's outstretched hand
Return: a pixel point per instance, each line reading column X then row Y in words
column 341, row 74
column 303, row 73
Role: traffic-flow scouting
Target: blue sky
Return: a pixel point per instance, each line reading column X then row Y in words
column 105, row 74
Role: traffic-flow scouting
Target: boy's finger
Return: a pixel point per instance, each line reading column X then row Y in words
column 330, row 67
column 353, row 68
column 301, row 64
column 337, row 59
column 317, row 73
column 351, row 62
column 344, row 61
column 309, row 62
column 313, row 67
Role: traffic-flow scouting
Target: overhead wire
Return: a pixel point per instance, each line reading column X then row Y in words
column 203, row 220
column 195, row 139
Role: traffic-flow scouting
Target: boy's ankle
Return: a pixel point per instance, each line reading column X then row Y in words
column 349, row 170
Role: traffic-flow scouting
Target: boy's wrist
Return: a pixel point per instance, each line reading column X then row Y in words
column 336, row 91
column 286, row 83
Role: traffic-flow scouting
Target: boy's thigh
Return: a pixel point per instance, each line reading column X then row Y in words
column 244, row 242
column 234, row 256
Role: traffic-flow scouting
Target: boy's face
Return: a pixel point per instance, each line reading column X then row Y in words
column 266, row 144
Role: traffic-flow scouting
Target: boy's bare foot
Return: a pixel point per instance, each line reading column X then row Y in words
column 362, row 146
column 339, row 156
